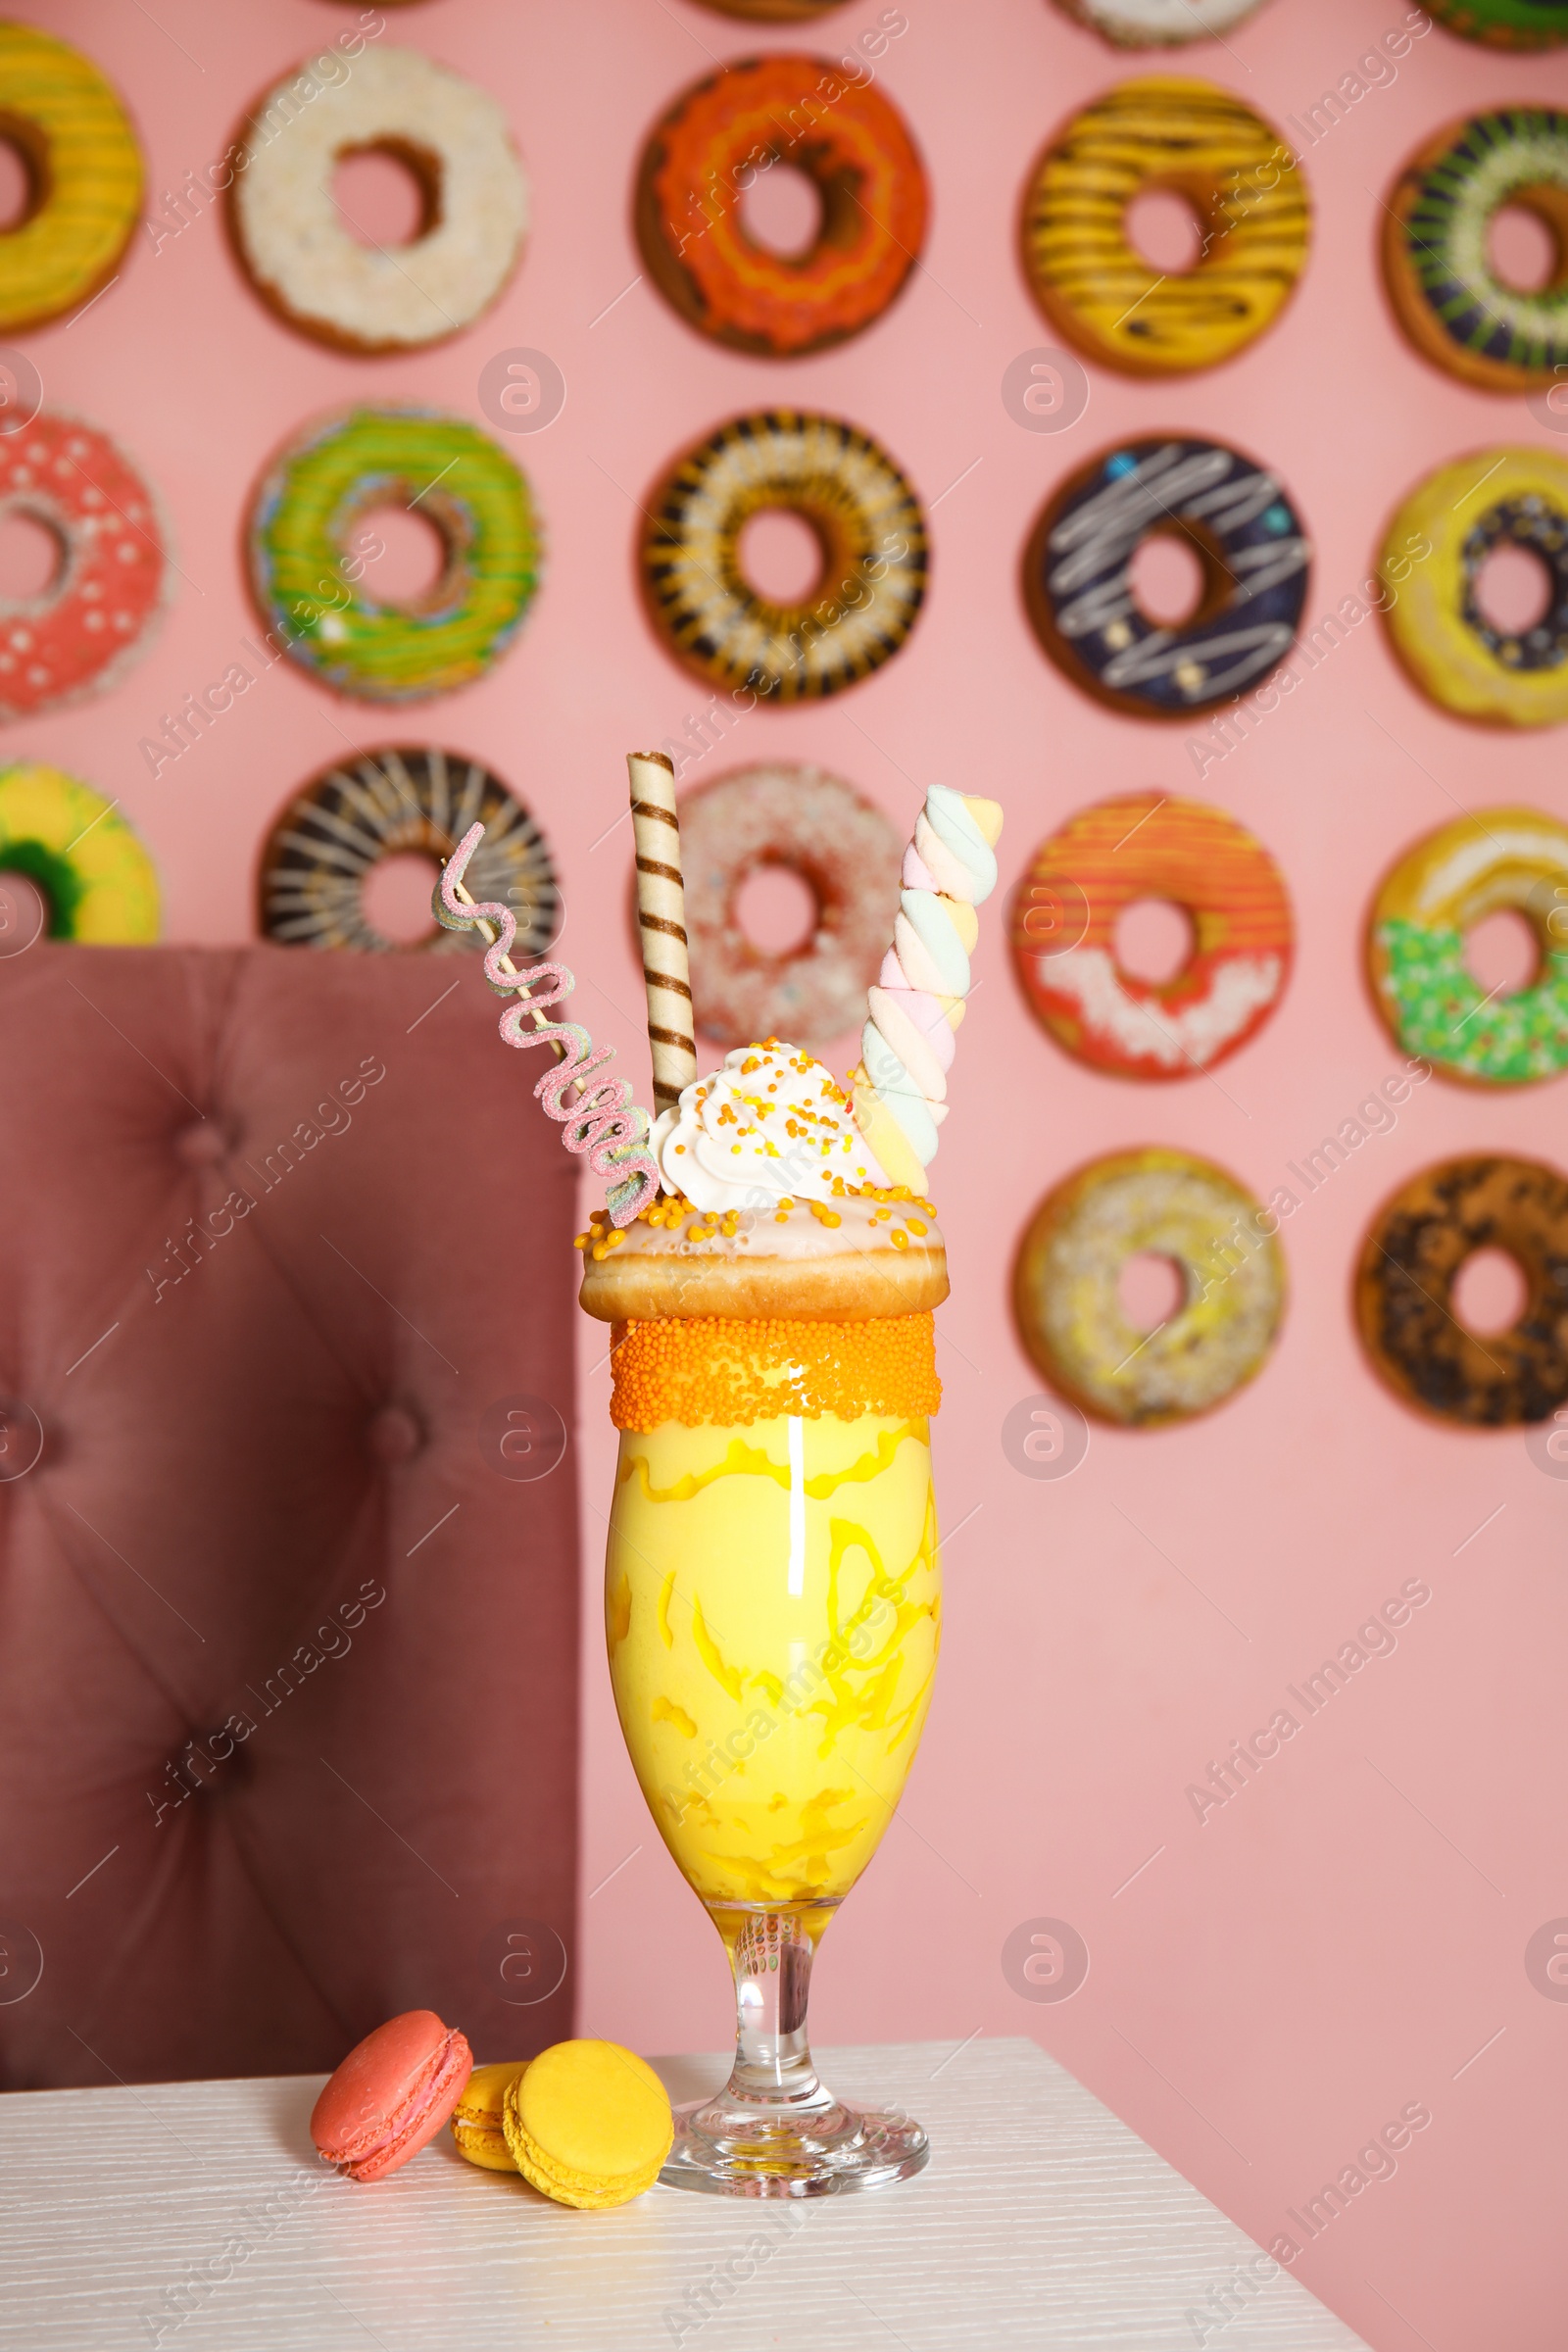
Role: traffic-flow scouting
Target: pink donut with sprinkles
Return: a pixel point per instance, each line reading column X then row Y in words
column 97, row 614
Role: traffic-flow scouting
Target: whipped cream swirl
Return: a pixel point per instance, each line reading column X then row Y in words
column 771, row 1124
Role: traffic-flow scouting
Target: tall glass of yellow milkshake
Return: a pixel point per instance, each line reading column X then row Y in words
column 771, row 1588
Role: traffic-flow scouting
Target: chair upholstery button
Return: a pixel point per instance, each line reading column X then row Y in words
column 201, row 1143
column 394, row 1435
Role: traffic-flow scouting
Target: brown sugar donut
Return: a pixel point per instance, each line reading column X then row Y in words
column 847, row 855
column 1404, row 1284
column 854, row 147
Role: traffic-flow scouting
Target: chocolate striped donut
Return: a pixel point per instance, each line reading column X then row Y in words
column 1241, row 180
column 873, row 541
column 392, row 802
column 1231, row 513
column 1450, row 300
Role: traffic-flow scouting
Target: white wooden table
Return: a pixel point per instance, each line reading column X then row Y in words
column 195, row 2216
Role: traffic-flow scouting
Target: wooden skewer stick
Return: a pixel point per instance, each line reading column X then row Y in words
column 661, row 924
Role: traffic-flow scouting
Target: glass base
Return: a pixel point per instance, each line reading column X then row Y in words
column 727, row 2148
column 773, row 2131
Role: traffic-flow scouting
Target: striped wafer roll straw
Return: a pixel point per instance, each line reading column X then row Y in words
column 661, row 924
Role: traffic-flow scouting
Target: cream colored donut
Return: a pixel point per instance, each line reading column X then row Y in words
column 1160, row 24
column 872, row 1253
column 298, row 247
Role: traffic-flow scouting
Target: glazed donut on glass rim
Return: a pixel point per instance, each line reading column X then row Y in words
column 847, row 855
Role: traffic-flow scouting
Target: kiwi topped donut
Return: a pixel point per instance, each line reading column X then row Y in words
column 95, row 878
column 1239, row 179
column 402, row 800
column 846, row 852
column 847, row 140
column 82, row 631
column 1437, row 892
column 1157, row 23
column 307, row 508
column 1506, row 23
column 1412, row 1257
column 1231, row 513
column 1167, row 1205
column 1149, row 845
column 85, row 175
column 299, row 249
column 1449, row 299
column 865, row 518
column 1463, row 511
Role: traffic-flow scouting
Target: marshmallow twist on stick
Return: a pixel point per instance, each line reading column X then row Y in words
column 601, row 1121
column 900, row 1086
column 661, row 924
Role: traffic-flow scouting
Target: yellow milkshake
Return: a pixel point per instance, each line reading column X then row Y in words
column 772, row 1609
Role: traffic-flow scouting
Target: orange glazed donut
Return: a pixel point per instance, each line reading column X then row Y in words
column 1146, row 845
column 845, row 139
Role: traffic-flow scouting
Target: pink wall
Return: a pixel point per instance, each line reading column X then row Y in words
column 1338, row 1941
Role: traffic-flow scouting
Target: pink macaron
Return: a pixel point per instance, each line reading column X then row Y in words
column 391, row 2094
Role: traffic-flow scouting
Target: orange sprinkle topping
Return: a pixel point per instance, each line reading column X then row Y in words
column 731, row 1374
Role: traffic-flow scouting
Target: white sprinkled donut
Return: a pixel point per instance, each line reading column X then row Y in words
column 845, row 851
column 1160, row 24
column 293, row 237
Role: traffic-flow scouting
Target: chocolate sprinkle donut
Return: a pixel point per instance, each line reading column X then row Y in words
column 1405, row 1285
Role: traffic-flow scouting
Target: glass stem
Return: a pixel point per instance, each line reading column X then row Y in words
column 771, row 1954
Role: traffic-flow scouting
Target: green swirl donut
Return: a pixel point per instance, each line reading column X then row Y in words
column 304, row 517
column 1506, row 23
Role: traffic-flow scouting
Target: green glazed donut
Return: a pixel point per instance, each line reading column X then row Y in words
column 306, row 512
column 1506, row 23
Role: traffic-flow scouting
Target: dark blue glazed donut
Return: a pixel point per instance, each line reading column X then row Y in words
column 1237, row 522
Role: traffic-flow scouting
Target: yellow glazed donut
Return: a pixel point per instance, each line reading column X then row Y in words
column 1167, row 1205
column 1238, row 175
column 1494, row 498
column 85, row 171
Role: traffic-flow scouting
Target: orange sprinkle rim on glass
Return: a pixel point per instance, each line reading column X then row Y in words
column 709, row 1372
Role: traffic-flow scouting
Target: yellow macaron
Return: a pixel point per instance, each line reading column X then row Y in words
column 477, row 2123
column 589, row 2124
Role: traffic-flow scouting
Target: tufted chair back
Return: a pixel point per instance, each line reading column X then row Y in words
column 288, row 1597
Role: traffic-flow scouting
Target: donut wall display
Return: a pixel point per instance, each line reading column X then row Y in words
column 429, row 402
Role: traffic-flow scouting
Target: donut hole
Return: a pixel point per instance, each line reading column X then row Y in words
column 414, row 558
column 781, row 556
column 394, row 898
column 784, row 211
column 1502, row 952
column 1164, row 229
column 1514, row 590
column 1489, row 1292
column 24, row 913
column 777, row 910
column 24, row 173
column 1526, row 249
column 1169, row 577
column 32, row 556
column 389, row 193
column 1153, row 940
column 1151, row 1289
